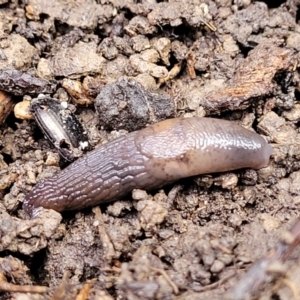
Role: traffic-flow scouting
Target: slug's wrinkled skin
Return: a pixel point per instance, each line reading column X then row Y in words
column 150, row 158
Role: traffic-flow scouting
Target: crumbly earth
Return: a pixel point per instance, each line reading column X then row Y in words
column 145, row 61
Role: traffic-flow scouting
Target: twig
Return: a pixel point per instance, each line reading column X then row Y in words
column 14, row 288
column 63, row 288
column 84, row 292
column 216, row 284
column 168, row 279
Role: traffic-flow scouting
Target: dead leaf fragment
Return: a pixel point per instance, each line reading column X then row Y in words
column 254, row 78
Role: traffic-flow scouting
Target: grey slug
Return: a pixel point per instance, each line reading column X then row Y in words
column 149, row 158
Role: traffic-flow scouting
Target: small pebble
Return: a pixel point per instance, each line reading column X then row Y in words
column 287, row 238
column 277, row 267
column 52, row 159
column 270, row 223
column 77, row 92
column 235, row 220
column 163, row 46
column 276, row 127
column 150, row 214
column 139, row 194
column 22, row 110
column 293, row 114
column 217, row 266
column 229, row 181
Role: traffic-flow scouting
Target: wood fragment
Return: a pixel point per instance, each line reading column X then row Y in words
column 172, row 73
column 6, row 106
column 254, row 78
column 191, row 66
column 14, row 288
column 84, row 292
column 210, row 26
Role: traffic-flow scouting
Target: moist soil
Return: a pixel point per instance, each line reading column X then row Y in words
column 120, row 66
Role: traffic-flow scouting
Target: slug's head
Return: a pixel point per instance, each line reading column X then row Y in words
column 266, row 153
column 261, row 157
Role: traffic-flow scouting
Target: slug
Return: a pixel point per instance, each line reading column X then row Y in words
column 150, row 158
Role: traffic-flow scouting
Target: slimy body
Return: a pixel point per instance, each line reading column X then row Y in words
column 149, row 158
